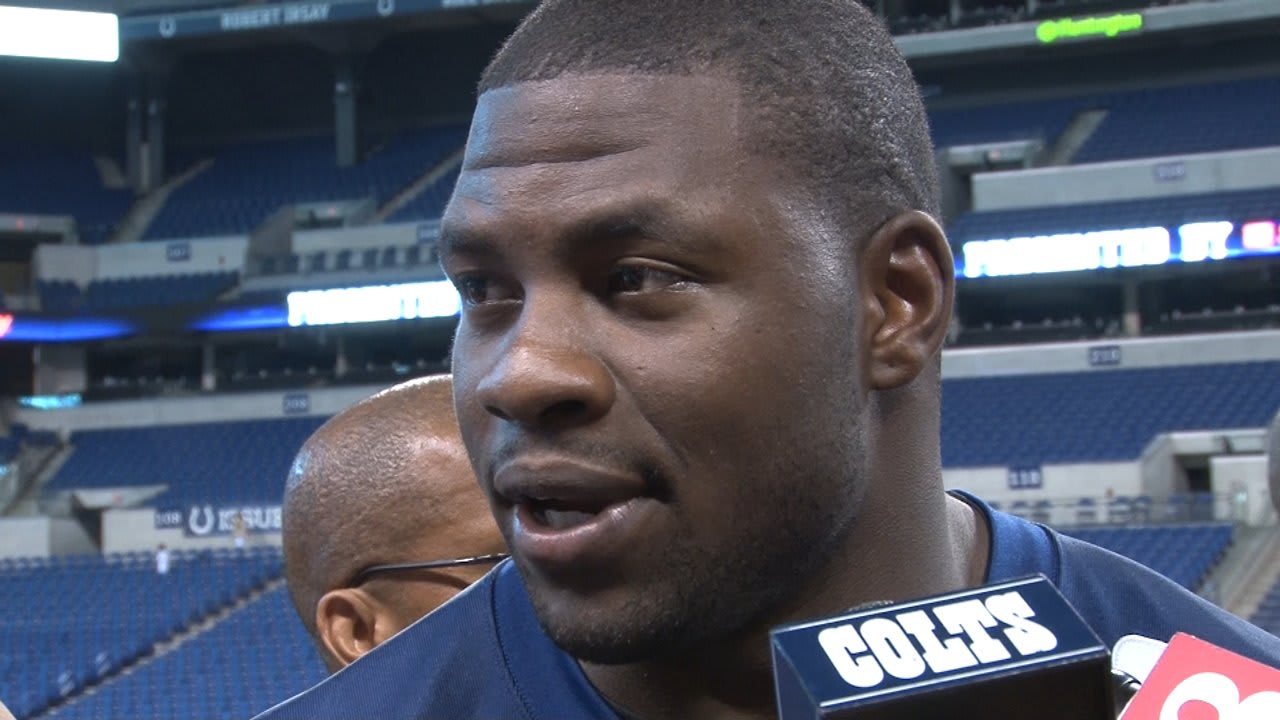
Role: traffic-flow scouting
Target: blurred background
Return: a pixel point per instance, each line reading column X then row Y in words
column 227, row 234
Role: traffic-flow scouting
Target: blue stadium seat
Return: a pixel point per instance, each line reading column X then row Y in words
column 255, row 658
column 429, row 204
column 1183, row 553
column 58, row 181
column 249, row 181
column 120, row 293
column 70, row 622
column 1032, row 420
column 220, row 463
column 1149, row 122
column 1184, row 119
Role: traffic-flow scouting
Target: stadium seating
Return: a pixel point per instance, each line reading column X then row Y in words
column 1030, row 420
column 59, row 296
column 71, row 620
column 257, row 657
column 1182, row 553
column 1037, row 120
column 1267, row 616
column 11, row 442
column 428, row 205
column 260, row 655
column 156, row 291
column 1189, row 118
column 221, row 463
column 64, row 296
column 56, row 181
column 1152, row 212
column 249, row 181
column 1026, row 420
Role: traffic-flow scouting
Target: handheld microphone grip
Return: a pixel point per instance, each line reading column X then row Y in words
column 1191, row 671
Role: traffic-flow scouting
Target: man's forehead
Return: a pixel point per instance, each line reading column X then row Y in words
column 579, row 117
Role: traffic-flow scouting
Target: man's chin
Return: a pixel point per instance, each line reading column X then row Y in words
column 600, row 646
column 609, row 636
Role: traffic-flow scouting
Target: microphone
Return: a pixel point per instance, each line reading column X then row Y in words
column 1014, row 650
column 1191, row 672
column 1132, row 660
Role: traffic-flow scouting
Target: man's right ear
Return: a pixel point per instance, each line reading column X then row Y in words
column 347, row 622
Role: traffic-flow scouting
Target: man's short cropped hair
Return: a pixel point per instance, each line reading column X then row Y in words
column 831, row 96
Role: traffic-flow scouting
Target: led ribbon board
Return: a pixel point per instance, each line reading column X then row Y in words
column 408, row 301
column 1128, row 247
column 1051, row 31
column 59, row 34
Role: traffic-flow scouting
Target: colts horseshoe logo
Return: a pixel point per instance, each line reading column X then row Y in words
column 193, row 520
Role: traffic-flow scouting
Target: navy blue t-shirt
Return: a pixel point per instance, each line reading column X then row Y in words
column 484, row 656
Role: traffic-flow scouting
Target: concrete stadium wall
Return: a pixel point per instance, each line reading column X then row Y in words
column 25, row 537
column 82, row 264
column 220, row 254
column 1060, row 482
column 1244, row 479
column 60, row 369
column 1134, row 353
column 177, row 411
column 64, row 262
column 359, row 238
column 1127, row 180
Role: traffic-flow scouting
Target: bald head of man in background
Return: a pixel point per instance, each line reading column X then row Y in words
column 385, row 481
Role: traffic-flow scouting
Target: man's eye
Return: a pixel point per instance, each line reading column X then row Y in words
column 475, row 289
column 641, row 278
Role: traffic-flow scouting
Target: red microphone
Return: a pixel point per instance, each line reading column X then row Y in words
column 1194, row 679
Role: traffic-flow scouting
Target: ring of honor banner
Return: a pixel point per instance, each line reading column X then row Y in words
column 264, row 17
column 209, row 521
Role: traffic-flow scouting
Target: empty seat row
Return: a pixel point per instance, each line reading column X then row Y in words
column 70, row 622
column 64, row 296
column 1033, row 420
column 247, row 182
column 257, row 657
column 1146, row 122
column 220, row 463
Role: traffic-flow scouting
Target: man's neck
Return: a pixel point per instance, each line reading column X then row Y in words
column 733, row 678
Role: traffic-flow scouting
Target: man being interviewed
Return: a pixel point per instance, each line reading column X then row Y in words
column 383, row 521
column 698, row 372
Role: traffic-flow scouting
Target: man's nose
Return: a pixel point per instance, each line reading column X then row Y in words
column 548, row 376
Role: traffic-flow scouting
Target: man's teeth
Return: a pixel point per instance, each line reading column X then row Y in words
column 564, row 519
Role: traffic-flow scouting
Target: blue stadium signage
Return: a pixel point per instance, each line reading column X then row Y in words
column 266, row 17
column 1026, row 478
column 1105, row 356
column 296, row 403
column 177, row 251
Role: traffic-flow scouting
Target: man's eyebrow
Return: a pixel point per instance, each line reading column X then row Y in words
column 654, row 220
column 466, row 240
